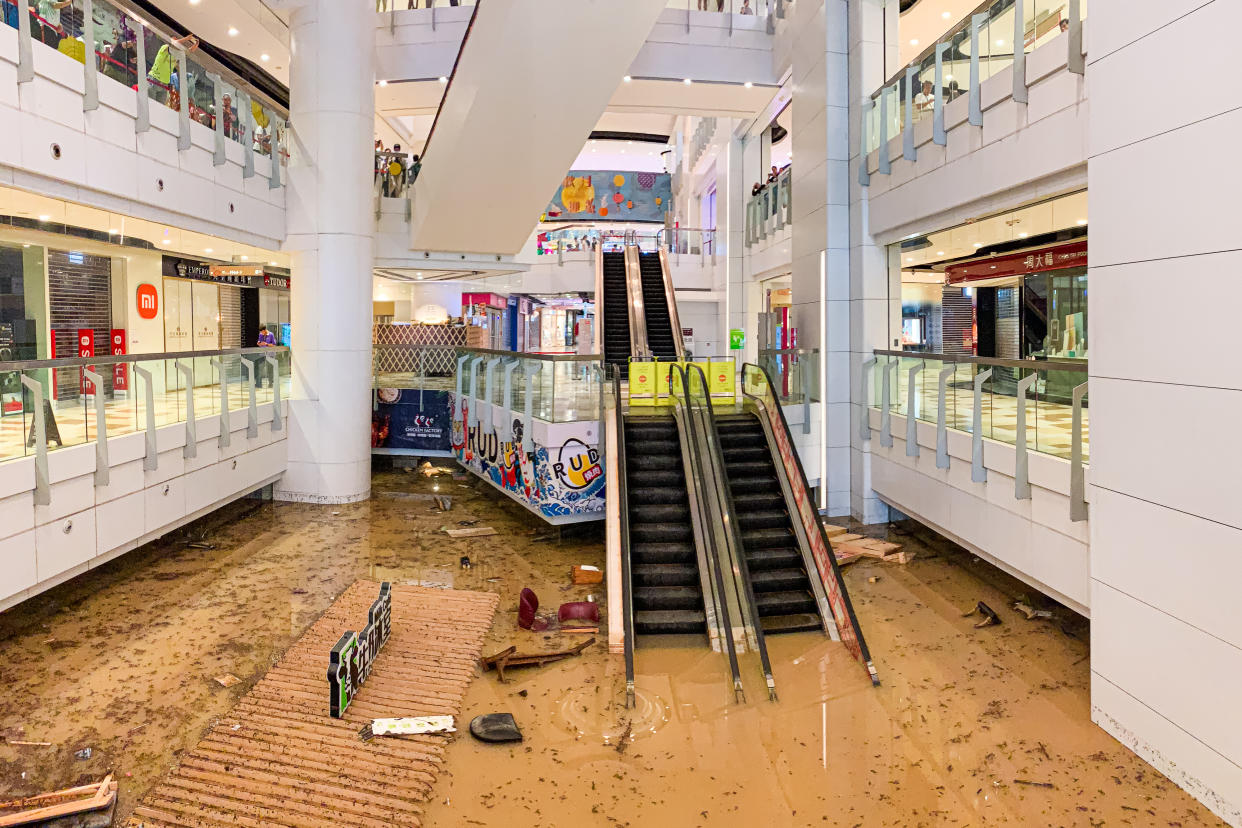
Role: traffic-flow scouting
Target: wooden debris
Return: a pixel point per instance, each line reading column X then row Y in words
column 510, row 657
column 227, row 680
column 59, row 803
column 832, row 530
column 846, row 538
column 28, row 744
column 870, row 547
column 472, row 532
column 587, row 575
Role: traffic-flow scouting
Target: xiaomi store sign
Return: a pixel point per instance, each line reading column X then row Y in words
column 148, row 300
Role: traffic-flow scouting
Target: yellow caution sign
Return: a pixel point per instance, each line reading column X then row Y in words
column 642, row 383
column 663, row 370
column 721, row 380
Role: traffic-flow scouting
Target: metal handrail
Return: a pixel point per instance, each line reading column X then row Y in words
column 714, row 553
column 86, row 362
column 670, row 298
column 519, row 354
column 763, row 351
column 801, row 479
column 1076, row 365
column 449, row 86
column 627, row 591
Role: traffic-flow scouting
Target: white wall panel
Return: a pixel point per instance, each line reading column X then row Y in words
column 65, row 543
column 17, row 558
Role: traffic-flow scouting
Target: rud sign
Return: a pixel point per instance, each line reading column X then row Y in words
column 350, row 661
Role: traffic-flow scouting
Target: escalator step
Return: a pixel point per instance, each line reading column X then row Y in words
column 797, row 622
column 662, row 552
column 656, row 494
column 670, row 622
column 660, row 533
column 746, row 453
column 779, row 580
column 677, row 574
column 763, row 519
column 759, row 500
column 661, row 477
column 785, row 603
column 749, row 468
column 644, row 461
column 670, row 598
column 676, row 514
column 741, row 485
column 768, row 538
column 775, row 558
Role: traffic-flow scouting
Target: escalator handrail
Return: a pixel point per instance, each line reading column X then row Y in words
column 801, row 480
column 599, row 303
column 713, row 553
column 639, row 347
column 670, row 296
column 448, row 87
column 627, row 592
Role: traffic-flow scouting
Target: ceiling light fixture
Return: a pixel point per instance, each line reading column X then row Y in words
column 1022, row 235
column 748, row 84
column 627, row 79
column 245, row 258
column 914, row 41
column 687, row 81
column 206, row 249
column 113, row 231
column 273, row 264
column 232, row 31
column 977, row 244
column 195, row 2
column 45, row 218
column 383, row 83
column 945, row 15
column 939, row 252
column 443, row 79
column 167, row 241
column 265, row 57
column 1082, row 222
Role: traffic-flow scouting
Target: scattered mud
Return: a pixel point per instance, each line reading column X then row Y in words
column 122, row 660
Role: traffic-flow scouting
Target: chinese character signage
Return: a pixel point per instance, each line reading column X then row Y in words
column 351, row 659
column 1060, row 257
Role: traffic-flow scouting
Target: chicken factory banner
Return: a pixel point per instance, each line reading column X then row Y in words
column 561, row 483
column 411, row 419
column 611, row 195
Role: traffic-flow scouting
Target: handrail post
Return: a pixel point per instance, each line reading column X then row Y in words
column 43, row 483
column 101, row 429
column 488, row 372
column 252, row 416
column 142, row 122
column 461, row 369
column 907, row 134
column 191, row 429
column 864, row 177
column 225, row 438
column 1019, row 53
column 474, row 392
column 864, row 421
column 277, row 414
column 1075, row 62
column 886, row 416
column 90, row 63
column 183, row 113
column 508, row 397
column 942, row 424
column 884, row 165
column 976, row 97
column 1078, row 476
column 912, row 420
column 273, row 182
column 151, row 457
column 25, row 57
column 806, row 396
column 1021, row 464
column 939, row 136
column 978, row 473
column 218, row 157
column 247, row 122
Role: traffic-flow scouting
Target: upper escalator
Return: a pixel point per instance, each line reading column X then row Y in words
column 662, row 340
column 615, row 331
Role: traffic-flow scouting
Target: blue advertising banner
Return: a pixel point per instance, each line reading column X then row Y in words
column 611, row 195
column 408, row 419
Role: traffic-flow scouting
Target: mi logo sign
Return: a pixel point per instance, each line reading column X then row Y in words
column 148, row 301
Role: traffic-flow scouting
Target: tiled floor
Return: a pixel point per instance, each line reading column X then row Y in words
column 76, row 421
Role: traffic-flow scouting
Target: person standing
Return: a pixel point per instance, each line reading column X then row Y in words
column 50, row 31
column 266, row 339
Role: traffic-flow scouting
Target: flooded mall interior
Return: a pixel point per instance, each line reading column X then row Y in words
column 470, row 412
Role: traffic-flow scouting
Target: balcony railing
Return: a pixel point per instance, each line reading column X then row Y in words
column 770, row 209
column 999, row 34
column 161, row 67
column 1033, row 405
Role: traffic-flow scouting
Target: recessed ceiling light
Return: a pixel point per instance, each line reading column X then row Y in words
column 1081, row 222
column 687, row 81
column 994, row 267
column 443, row 79
column 273, row 264
column 265, row 57
column 245, row 258
column 909, row 258
column 419, row 274
column 195, row 2
column 113, row 231
column 27, row 244
column 383, row 83
column 232, row 31
column 914, row 41
column 44, row 218
column 206, row 249
column 1000, row 43
column 948, row 77
column 977, row 244
column 939, row 252
column 945, row 15
column 167, row 241
column 627, row 79
column 748, row 84
column 1022, row 235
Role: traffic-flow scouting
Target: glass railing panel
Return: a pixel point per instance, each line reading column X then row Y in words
column 873, row 127
column 201, row 87
column 956, row 65
column 116, row 44
column 929, row 390
column 234, row 125
column 163, row 82
column 263, row 126
column 16, row 417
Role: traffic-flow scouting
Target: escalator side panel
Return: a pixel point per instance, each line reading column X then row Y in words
column 660, row 335
column 616, row 310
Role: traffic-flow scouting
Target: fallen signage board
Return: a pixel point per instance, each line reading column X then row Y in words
column 350, row 661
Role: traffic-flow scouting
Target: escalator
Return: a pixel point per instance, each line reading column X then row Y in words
column 662, row 340
column 664, row 568
column 616, row 306
column 783, row 592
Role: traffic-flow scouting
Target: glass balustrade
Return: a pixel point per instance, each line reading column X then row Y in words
column 69, row 398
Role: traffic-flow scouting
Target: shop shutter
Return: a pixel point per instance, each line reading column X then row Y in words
column 79, row 290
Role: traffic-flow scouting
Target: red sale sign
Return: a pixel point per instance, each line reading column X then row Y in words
column 120, row 372
column 86, row 348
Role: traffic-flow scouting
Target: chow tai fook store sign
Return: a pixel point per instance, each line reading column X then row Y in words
column 240, row 275
column 1058, row 257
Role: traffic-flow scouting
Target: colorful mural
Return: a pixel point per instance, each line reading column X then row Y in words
column 611, row 195
column 557, row 482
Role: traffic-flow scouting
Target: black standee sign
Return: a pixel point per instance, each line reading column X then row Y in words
column 350, row 661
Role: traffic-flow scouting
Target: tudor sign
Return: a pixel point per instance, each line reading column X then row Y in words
column 148, row 301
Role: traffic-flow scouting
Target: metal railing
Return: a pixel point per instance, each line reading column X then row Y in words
column 795, row 372
column 997, row 35
column 770, row 209
column 81, row 400
column 1033, row 405
column 622, row 484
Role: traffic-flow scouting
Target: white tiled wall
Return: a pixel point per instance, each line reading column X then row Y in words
column 104, row 163
column 1166, row 527
column 86, row 524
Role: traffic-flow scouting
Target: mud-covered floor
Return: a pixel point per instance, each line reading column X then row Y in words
column 122, row 661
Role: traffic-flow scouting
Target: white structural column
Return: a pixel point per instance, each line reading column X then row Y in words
column 1166, row 519
column 874, row 288
column 331, row 229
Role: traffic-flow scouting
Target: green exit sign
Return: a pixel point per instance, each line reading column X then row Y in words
column 737, row 339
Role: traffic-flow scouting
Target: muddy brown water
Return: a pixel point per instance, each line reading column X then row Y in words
column 122, row 660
